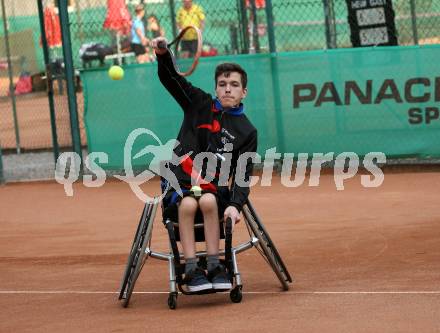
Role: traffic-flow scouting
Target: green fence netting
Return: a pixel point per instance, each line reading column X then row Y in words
column 232, row 27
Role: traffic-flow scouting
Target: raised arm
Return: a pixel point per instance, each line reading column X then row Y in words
column 182, row 90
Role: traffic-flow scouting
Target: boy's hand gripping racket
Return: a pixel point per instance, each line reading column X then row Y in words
column 187, row 50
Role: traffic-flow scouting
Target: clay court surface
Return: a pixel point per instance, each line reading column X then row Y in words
column 34, row 124
column 363, row 260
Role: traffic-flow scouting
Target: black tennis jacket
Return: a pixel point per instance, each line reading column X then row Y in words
column 206, row 127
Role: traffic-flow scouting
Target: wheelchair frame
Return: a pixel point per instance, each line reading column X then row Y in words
column 141, row 251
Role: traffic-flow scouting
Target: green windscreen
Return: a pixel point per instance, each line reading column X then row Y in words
column 383, row 99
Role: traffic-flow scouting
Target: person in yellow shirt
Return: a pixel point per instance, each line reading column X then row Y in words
column 190, row 14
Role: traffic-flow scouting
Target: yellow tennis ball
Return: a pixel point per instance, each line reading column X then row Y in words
column 116, row 73
column 196, row 190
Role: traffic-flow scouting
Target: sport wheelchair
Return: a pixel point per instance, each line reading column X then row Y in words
column 141, row 250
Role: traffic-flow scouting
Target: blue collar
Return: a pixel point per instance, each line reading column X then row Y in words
column 235, row 111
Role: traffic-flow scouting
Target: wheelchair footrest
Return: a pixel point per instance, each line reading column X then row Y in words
column 201, row 292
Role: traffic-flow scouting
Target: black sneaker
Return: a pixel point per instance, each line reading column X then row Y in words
column 219, row 278
column 197, row 281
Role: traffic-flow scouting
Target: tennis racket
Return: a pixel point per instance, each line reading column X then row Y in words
column 185, row 50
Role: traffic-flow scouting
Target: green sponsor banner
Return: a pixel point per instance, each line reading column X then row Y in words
column 346, row 100
column 362, row 100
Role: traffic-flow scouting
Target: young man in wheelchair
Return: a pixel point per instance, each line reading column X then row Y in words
column 220, row 127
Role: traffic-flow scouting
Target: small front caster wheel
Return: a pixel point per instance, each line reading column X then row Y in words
column 172, row 301
column 236, row 294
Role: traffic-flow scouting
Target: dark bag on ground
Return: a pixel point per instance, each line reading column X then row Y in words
column 95, row 51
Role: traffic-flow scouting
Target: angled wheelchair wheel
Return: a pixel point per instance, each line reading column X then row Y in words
column 267, row 249
column 138, row 256
column 271, row 244
column 132, row 254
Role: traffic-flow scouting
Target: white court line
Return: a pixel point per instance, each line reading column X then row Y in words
column 73, row 292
